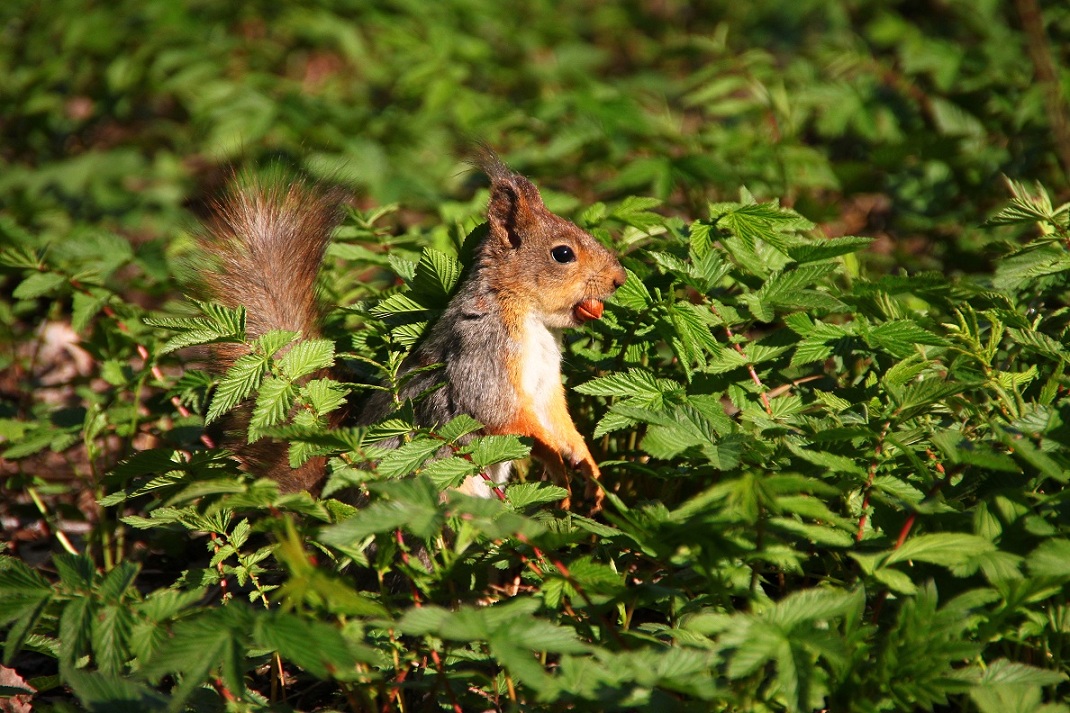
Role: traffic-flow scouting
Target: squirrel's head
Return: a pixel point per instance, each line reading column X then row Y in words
column 540, row 260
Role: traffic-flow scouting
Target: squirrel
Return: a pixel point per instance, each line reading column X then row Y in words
column 497, row 345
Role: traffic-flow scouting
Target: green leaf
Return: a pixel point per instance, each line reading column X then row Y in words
column 406, row 458
column 826, row 249
column 75, row 571
column 306, row 357
column 75, row 631
column 1010, row 686
column 209, row 642
column 401, row 303
column 227, row 321
column 103, row 693
column 899, row 337
column 459, row 427
column 1025, row 451
column 1050, row 559
column 117, row 582
column 38, row 284
column 633, row 294
column 449, row 472
column 634, row 383
column 488, row 450
column 634, row 211
column 272, row 341
column 789, row 289
column 85, row 305
column 436, row 276
column 943, row 548
column 315, row 646
column 274, row 401
column 241, row 379
column 111, row 635
column 23, row 597
column 522, row 495
column 323, row 395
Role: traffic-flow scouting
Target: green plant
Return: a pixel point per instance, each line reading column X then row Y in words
column 825, row 490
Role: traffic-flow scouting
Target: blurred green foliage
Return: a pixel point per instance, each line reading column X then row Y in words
column 117, row 113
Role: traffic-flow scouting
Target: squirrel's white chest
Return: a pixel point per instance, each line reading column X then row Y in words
column 540, row 369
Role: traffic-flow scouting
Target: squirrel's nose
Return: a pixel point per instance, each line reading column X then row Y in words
column 620, row 277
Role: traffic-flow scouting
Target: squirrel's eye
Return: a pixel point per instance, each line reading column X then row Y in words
column 563, row 254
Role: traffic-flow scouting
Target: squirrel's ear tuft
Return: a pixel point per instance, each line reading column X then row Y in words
column 515, row 202
column 487, row 160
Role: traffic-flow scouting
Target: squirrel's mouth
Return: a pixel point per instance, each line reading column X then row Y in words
column 587, row 310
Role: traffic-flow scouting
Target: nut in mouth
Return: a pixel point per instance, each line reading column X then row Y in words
column 588, row 309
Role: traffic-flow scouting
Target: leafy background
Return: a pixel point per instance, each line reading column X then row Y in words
column 836, row 465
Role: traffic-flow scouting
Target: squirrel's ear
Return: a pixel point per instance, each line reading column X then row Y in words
column 514, row 205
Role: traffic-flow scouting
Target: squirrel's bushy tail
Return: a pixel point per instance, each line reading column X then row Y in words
column 268, row 239
column 265, row 241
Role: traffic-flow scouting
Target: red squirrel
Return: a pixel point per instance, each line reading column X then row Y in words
column 497, row 343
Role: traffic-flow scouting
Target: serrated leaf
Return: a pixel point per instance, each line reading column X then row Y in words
column 241, row 379
column 449, row 472
column 634, row 211
column 306, row 357
column 117, row 581
column 273, row 402
column 633, row 294
column 38, row 284
column 323, row 395
column 789, row 289
column 818, row 534
column 435, row 278
column 1026, row 207
column 458, row 427
column 692, row 336
column 103, row 693
column 899, row 337
column 274, row 340
column 942, row 548
column 153, row 460
column 895, row 580
column 922, row 396
column 521, row 495
column 612, row 421
column 214, row 640
column 228, row 321
column 1025, row 451
column 401, row 303
column 488, row 450
column 1050, row 559
column 407, row 457
column 190, row 338
column 317, row 647
column 111, row 634
column 420, row 621
column 75, row 630
column 85, row 305
column 1004, row 672
column 826, row 249
column 23, row 598
column 813, row 604
column 632, row 383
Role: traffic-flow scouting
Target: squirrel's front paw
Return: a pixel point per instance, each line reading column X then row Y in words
column 586, row 465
